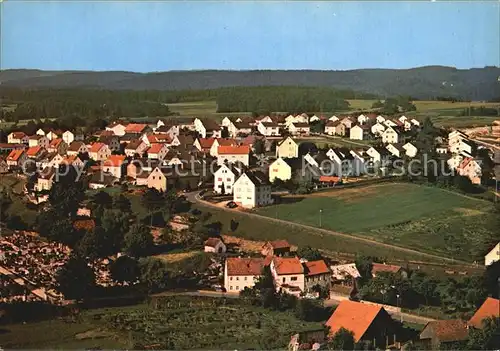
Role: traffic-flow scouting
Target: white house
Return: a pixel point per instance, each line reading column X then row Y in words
column 454, row 161
column 462, row 146
column 389, row 123
column 214, row 245
column 157, row 151
column 378, row 128
column 233, row 154
column 333, row 118
column 77, row 147
column 252, row 189
column 299, row 128
column 68, row 137
column 224, row 178
column 380, row 119
column 268, row 128
column 456, row 137
column 303, row 118
column 288, row 274
column 280, row 169
column 344, row 163
column 314, row 118
column 38, row 140
column 118, row 128
column 396, row 150
column 99, row 152
column 415, row 122
column 359, row 132
column 403, row 118
column 17, row 138
column 214, row 149
column 207, row 127
column 493, row 255
column 390, row 136
column 241, row 273
column 411, row 150
column 377, row 155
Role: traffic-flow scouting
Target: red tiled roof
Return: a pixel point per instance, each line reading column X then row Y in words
column 70, row 159
column 33, row 151
column 15, row 154
column 329, row 179
column 135, row 127
column 206, row 143
column 227, row 142
column 379, row 267
column 489, row 308
column 55, row 142
column 155, row 148
column 18, row 135
column 449, row 330
column 354, row 316
column 233, row 150
column 287, row 265
column 244, row 266
column 95, row 147
column 114, row 161
column 36, row 137
column 86, row 224
column 279, row 244
column 156, row 138
column 316, row 267
column 212, row 242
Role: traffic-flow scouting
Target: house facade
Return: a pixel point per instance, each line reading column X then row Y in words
column 224, row 179
column 157, row 180
column 268, row 128
column 241, row 273
column 252, row 189
column 317, row 273
column 99, row 152
column 38, row 140
column 359, row 132
column 77, row 147
column 335, row 128
column 390, row 136
column 280, row 169
column 115, row 165
column 17, row 138
column 288, row 274
column 287, row 148
column 492, row 256
column 233, row 154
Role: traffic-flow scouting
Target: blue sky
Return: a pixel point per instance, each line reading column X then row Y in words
column 181, row 35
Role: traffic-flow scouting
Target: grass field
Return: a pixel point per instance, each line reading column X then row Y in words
column 178, row 323
column 15, row 187
column 423, row 218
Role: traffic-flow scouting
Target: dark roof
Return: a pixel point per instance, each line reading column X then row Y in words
column 447, row 330
column 258, row 177
column 134, row 144
column 210, row 124
column 102, row 178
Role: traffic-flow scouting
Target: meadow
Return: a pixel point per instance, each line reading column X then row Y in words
column 177, row 322
column 424, row 218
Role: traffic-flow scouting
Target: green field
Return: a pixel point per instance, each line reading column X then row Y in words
column 178, row 323
column 423, row 218
column 15, row 187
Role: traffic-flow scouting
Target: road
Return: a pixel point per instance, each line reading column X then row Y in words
column 194, row 197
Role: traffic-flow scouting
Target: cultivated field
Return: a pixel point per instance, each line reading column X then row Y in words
column 179, row 323
column 427, row 219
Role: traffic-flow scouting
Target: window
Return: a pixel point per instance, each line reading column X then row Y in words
column 153, row 177
column 245, row 278
column 228, row 179
column 284, row 279
column 237, row 278
column 230, row 278
column 293, row 279
column 219, row 179
column 230, row 288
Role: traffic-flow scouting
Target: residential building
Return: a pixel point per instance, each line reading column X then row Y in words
column 314, row 118
column 77, row 147
column 58, row 145
column 207, row 128
column 335, row 128
column 302, row 129
column 348, row 122
column 287, row 148
column 396, row 149
column 391, row 124
column 118, row 128
column 333, row 118
column 214, row 149
column 45, row 179
column 136, row 147
column 288, row 274
column 378, row 155
column 442, row 148
column 380, row 119
column 388, row 268
column 53, row 134
column 493, row 255
column 233, row 154
column 280, row 169
column 38, row 140
column 115, row 165
column 390, row 136
column 415, row 122
column 345, row 274
column 437, row 335
column 74, row 161
column 16, row 158
column 52, row 160
column 157, row 180
column 359, row 132
column 68, row 137
column 290, row 119
column 215, row 245
column 17, row 138
column 241, row 273
column 252, row 189
column 489, row 309
column 410, row 150
column 455, row 137
column 137, row 129
column 99, row 151
column 268, row 128
column 204, row 144
column 276, row 248
column 157, row 151
column 367, row 322
column 343, row 164
column 101, row 180
column 316, row 273
column 463, row 147
column 225, row 177
column 113, row 142
column 377, row 129
column 35, row 152
column 471, row 169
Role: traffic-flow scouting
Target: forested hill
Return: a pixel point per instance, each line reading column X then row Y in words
column 422, row 82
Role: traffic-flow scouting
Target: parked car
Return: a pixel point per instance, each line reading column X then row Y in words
column 231, row 204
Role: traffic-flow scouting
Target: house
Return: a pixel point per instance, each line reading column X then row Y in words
column 214, row 149
column 313, row 119
column 288, row 274
column 215, row 245
column 455, row 161
column 388, row 268
column 252, row 189
column 115, row 165
column 299, row 129
column 241, row 273
column 118, row 128
column 343, row 164
column 287, row 148
column 317, row 273
column 77, row 147
column 335, row 128
column 225, row 177
column 113, row 142
column 157, row 151
column 137, row 128
column 415, row 122
column 281, row 169
column 455, row 137
column 136, row 147
column 276, row 248
column 45, row 179
column 99, row 151
column 403, row 118
column 53, row 159
column 16, row 158
column 233, row 154
column 489, row 309
column 53, row 134
column 390, row 123
column 396, row 149
column 436, row 335
column 380, row 119
column 68, row 137
column 35, row 152
column 4, row 167
column 390, row 136
column 207, row 128
column 204, row 144
column 359, row 132
column 367, row 322
column 73, row 160
column 442, row 148
column 17, row 138
column 463, row 147
column 58, row 145
column 345, row 274
column 378, row 155
column 410, row 150
column 303, row 118
column 268, row 128
column 157, row 180
column 348, row 122
column 100, row 180
column 38, row 140
column 493, row 255
column 377, row 128
column 471, row 169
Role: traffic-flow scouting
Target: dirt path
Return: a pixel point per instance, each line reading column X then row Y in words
column 194, row 197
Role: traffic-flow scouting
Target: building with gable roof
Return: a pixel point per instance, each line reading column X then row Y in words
column 288, row 274
column 489, row 309
column 252, row 189
column 241, row 273
column 233, row 154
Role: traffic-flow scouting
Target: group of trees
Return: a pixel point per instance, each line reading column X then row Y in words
column 480, row 111
column 395, row 105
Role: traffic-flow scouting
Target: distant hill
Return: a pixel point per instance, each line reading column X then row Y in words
column 423, row 82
